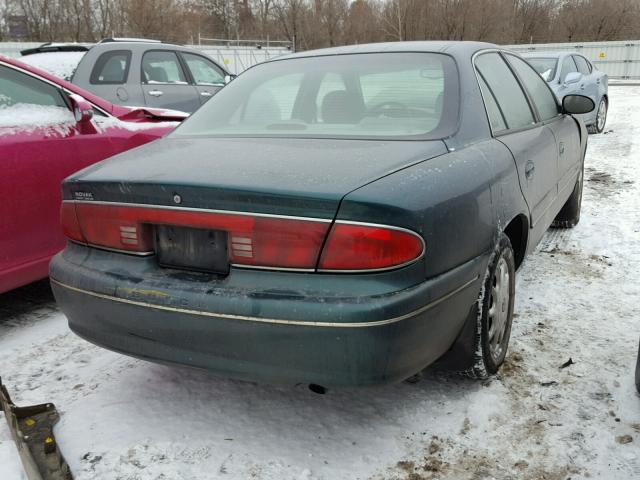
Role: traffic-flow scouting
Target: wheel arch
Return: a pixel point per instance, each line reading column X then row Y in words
column 518, row 232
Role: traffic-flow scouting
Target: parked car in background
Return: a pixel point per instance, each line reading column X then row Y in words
column 337, row 217
column 638, row 371
column 138, row 72
column 50, row 129
column 570, row 73
column 58, row 59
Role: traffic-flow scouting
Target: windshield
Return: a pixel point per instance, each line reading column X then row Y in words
column 546, row 67
column 372, row 96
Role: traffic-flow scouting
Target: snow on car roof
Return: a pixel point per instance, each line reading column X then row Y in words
column 61, row 64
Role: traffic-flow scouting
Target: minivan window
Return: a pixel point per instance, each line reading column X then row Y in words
column 203, row 71
column 111, row 68
column 377, row 95
column 160, row 66
column 541, row 94
column 505, row 87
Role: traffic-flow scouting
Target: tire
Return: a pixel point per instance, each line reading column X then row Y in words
column 569, row 215
column 494, row 313
column 601, row 117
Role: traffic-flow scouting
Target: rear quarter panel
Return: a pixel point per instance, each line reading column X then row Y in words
column 458, row 202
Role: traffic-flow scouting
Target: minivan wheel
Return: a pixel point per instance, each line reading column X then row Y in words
column 601, row 117
column 495, row 312
column 569, row 215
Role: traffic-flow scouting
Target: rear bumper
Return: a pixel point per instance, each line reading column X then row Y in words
column 324, row 329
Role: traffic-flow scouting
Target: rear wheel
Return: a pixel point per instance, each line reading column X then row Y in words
column 569, row 216
column 495, row 312
column 601, row 117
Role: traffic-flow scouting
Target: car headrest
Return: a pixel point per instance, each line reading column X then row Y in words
column 340, row 107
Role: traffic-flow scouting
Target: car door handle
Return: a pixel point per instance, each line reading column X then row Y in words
column 155, row 93
column 206, row 94
column 529, row 169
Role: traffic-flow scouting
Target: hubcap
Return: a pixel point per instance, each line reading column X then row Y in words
column 602, row 114
column 499, row 309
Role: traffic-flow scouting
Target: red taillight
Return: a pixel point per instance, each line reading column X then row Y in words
column 253, row 239
column 359, row 247
column 69, row 221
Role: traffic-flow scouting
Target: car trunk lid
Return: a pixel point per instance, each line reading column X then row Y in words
column 297, row 177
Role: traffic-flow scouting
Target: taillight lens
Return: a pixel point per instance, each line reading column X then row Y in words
column 356, row 247
column 253, row 239
column 69, row 221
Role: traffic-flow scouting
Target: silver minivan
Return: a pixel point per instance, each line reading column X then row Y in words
column 137, row 72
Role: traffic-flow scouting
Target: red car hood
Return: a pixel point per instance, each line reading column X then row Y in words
column 129, row 114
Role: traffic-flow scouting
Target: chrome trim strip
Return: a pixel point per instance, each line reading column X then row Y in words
column 227, row 316
column 201, row 210
column 274, row 269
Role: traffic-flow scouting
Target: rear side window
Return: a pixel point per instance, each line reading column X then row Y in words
column 583, row 66
column 159, row 66
column 493, row 110
column 506, row 89
column 568, row 66
column 111, row 68
column 20, row 88
column 542, row 96
column 203, row 71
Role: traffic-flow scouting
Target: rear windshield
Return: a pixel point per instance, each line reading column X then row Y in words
column 546, row 67
column 371, row 96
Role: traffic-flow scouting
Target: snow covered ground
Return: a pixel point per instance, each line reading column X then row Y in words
column 578, row 297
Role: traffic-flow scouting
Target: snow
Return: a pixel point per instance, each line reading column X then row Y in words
column 61, row 64
column 105, row 123
column 26, row 117
column 577, row 297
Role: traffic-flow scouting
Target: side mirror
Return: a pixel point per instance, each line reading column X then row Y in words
column 573, row 77
column 577, row 104
column 83, row 113
column 228, row 78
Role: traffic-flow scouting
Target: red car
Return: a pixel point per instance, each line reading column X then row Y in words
column 50, row 129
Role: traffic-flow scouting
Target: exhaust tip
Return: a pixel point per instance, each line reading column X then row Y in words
column 319, row 389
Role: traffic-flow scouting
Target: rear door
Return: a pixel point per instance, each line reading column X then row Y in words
column 564, row 128
column 207, row 77
column 165, row 83
column 516, row 125
column 40, row 146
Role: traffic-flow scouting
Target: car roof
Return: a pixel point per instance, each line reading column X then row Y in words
column 547, row 54
column 455, row 48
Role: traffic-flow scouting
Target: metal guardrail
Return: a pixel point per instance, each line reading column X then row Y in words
column 620, row 60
